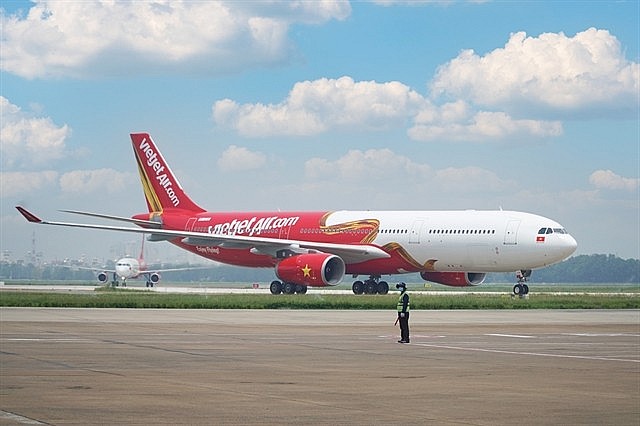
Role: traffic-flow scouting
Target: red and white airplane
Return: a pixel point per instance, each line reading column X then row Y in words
column 131, row 268
column 454, row 248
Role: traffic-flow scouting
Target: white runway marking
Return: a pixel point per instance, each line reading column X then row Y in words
column 517, row 336
column 26, row 339
column 5, row 415
column 499, row 351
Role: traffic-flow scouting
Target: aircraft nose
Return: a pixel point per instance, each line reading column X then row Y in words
column 568, row 245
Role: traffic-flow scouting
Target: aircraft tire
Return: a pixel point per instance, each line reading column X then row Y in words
column 370, row 287
column 275, row 287
column 301, row 289
column 383, row 287
column 517, row 289
column 357, row 287
column 525, row 289
column 288, row 288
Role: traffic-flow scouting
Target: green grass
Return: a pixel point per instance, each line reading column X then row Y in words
column 142, row 299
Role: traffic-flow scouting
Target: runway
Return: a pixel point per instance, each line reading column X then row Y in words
column 126, row 366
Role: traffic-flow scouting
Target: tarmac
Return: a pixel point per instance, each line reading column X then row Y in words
column 147, row 366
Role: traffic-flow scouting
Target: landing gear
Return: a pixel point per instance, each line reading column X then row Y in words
column 521, row 288
column 371, row 286
column 149, row 284
column 277, row 287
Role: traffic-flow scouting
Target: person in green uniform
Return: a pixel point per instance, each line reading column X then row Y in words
column 403, row 312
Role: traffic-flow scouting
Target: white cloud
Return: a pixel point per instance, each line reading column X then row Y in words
column 94, row 181
column 606, row 179
column 313, row 107
column 236, row 158
column 357, row 165
column 458, row 121
column 552, row 71
column 499, row 96
column 19, row 183
column 26, row 140
column 479, row 126
column 86, row 38
column 470, row 179
column 381, row 177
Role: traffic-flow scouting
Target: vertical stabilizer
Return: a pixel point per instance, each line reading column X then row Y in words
column 161, row 188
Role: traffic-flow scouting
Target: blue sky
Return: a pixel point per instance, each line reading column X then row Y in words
column 528, row 106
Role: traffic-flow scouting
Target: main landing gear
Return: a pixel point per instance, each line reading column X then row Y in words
column 287, row 288
column 371, row 286
column 521, row 288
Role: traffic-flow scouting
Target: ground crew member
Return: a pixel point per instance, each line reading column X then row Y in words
column 403, row 312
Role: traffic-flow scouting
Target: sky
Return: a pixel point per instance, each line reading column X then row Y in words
column 321, row 105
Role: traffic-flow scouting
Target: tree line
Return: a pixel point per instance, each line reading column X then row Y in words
column 594, row 268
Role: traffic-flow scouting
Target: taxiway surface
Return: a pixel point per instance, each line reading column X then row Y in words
column 121, row 366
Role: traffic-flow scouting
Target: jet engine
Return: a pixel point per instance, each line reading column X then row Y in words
column 454, row 279
column 154, row 278
column 103, row 277
column 313, row 269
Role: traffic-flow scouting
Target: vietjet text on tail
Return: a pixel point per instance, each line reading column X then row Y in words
column 455, row 248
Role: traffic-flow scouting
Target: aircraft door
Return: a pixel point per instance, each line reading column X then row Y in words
column 284, row 232
column 511, row 233
column 416, row 229
column 190, row 224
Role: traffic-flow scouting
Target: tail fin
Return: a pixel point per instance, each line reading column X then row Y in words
column 161, row 188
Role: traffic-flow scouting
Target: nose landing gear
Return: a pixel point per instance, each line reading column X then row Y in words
column 521, row 288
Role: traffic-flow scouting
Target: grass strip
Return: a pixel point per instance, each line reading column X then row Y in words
column 143, row 299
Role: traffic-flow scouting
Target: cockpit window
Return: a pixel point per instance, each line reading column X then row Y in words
column 552, row 230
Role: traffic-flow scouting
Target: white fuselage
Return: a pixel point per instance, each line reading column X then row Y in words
column 127, row 267
column 480, row 241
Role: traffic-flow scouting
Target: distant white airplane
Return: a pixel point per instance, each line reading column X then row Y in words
column 132, row 268
column 454, row 248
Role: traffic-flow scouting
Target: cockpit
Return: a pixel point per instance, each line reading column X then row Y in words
column 544, row 231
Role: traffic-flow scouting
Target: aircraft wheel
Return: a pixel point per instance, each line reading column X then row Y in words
column 525, row 289
column 275, row 287
column 289, row 288
column 383, row 287
column 518, row 289
column 357, row 287
column 370, row 287
column 301, row 289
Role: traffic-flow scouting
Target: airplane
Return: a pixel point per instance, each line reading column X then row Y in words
column 319, row 248
column 130, row 267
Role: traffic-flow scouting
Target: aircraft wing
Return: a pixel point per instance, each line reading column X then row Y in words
column 85, row 268
column 350, row 253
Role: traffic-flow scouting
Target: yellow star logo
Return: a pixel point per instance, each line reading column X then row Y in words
column 306, row 271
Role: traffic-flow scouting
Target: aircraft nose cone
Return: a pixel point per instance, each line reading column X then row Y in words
column 569, row 245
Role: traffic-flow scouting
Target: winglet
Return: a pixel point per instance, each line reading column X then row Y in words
column 28, row 215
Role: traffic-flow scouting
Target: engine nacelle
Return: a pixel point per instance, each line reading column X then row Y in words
column 103, row 277
column 313, row 269
column 454, row 279
column 154, row 277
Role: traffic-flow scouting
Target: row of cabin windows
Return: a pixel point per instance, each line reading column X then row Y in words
column 398, row 231
column 406, row 231
column 342, row 231
column 462, row 231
